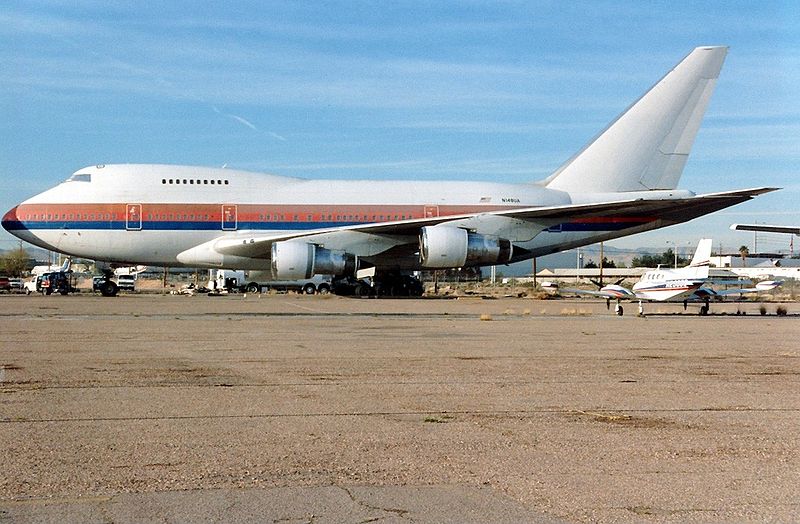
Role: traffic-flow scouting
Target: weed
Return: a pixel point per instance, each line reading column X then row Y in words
column 575, row 312
column 444, row 419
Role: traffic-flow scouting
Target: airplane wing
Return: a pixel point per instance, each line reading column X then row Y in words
column 794, row 230
column 767, row 285
column 389, row 234
column 610, row 292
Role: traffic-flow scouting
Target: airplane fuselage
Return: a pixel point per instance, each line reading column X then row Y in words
column 149, row 214
column 663, row 285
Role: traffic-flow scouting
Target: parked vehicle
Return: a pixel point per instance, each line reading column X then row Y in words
column 126, row 282
column 33, row 285
column 317, row 284
column 16, row 284
column 56, row 282
column 5, row 284
column 260, row 281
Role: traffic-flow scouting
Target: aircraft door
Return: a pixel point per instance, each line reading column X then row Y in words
column 431, row 211
column 229, row 217
column 133, row 217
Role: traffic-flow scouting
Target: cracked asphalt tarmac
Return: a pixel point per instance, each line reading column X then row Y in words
column 289, row 408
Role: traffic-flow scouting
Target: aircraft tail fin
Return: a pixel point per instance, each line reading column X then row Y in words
column 647, row 146
column 702, row 256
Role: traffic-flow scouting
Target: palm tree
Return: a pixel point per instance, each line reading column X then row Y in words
column 743, row 251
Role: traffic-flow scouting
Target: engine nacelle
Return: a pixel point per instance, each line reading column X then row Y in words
column 447, row 246
column 293, row 260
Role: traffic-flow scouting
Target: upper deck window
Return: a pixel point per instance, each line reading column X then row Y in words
column 80, row 177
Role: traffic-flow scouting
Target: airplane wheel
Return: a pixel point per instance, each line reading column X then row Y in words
column 108, row 289
column 618, row 310
column 703, row 310
column 253, row 287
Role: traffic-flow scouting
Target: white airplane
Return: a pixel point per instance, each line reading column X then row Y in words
column 623, row 182
column 686, row 284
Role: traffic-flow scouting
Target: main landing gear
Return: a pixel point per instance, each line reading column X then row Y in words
column 704, row 309
column 106, row 286
column 618, row 309
column 381, row 285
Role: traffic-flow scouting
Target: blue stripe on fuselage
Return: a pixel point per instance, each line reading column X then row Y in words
column 176, row 225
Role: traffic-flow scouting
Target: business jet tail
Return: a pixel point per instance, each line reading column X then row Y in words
column 647, row 146
column 702, row 256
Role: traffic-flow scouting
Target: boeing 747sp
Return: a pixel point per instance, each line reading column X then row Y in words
column 623, row 182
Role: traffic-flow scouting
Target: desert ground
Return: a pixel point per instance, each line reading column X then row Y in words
column 291, row 408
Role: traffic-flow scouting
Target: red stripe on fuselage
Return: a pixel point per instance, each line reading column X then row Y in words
column 256, row 212
column 245, row 212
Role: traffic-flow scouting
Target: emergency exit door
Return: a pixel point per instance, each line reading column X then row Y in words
column 431, row 211
column 229, row 218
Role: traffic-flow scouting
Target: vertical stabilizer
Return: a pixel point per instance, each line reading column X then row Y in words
column 647, row 146
column 702, row 256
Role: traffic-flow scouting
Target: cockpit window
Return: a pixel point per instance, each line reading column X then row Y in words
column 80, row 177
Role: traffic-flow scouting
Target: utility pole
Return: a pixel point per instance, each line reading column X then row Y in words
column 601, row 264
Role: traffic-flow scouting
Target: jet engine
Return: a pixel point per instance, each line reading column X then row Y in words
column 292, row 260
column 447, row 246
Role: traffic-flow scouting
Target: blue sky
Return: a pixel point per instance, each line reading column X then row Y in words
column 402, row 90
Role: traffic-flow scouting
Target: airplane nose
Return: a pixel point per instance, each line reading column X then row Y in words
column 10, row 221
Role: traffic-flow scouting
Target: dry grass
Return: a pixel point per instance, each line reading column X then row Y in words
column 572, row 312
column 486, row 316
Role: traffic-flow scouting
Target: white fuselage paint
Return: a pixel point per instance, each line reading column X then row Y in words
column 148, row 214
